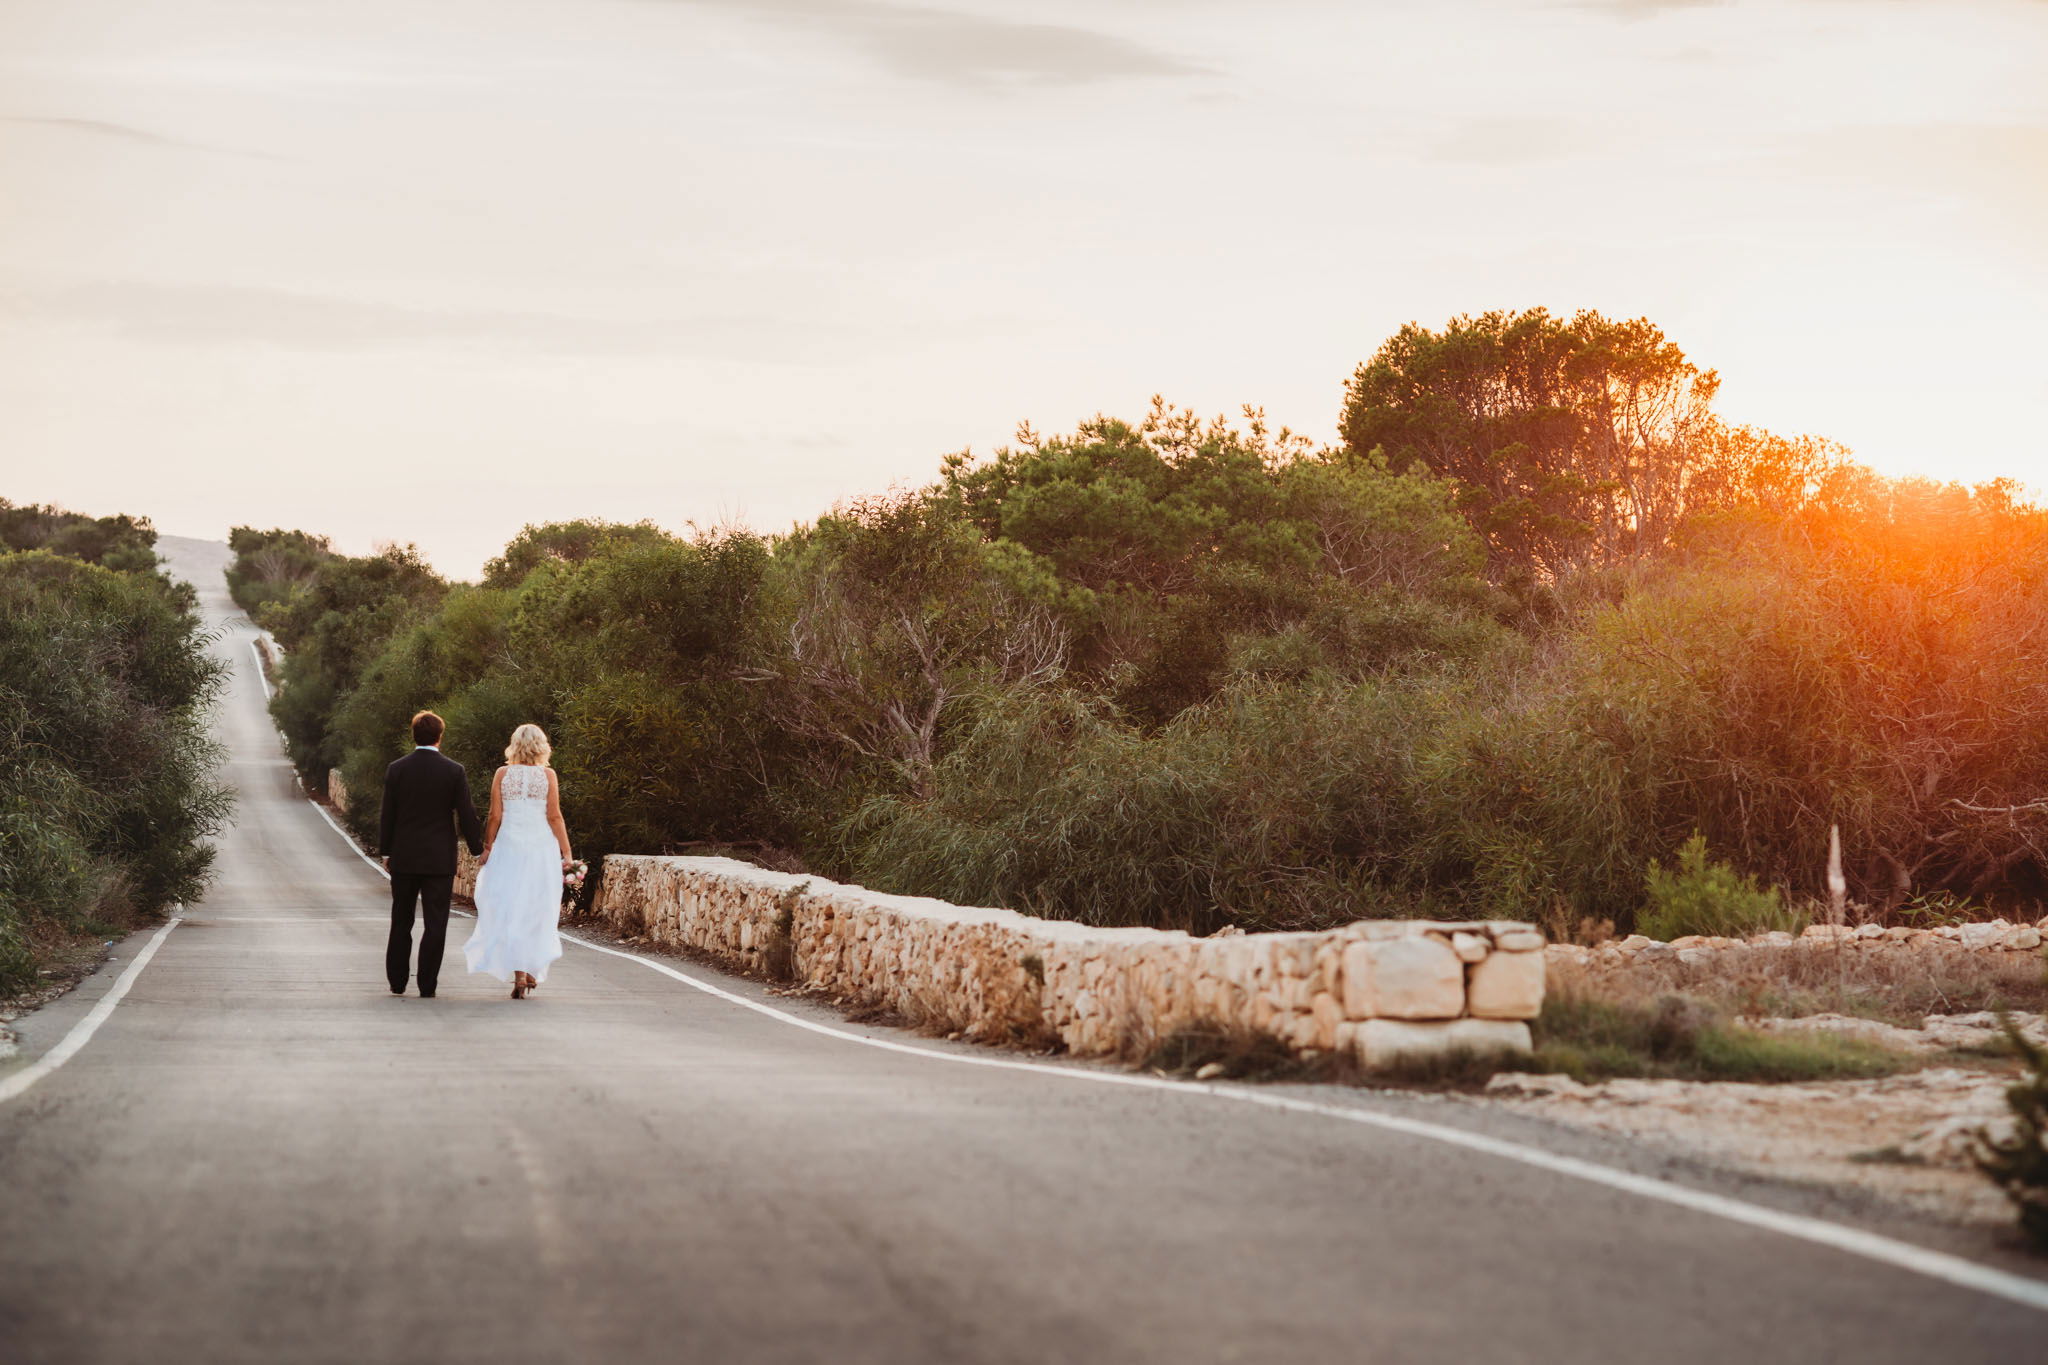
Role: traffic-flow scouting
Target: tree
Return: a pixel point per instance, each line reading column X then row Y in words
column 1179, row 552
column 565, row 542
column 272, row 567
column 896, row 610
column 1568, row 440
column 331, row 631
column 120, row 542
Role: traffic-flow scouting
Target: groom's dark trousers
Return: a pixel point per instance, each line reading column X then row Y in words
column 426, row 796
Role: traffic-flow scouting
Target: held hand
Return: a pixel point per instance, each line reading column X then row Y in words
column 483, row 857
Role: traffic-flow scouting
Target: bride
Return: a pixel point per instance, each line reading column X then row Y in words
column 519, row 878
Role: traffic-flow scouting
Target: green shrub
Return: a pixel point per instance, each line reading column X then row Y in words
column 1697, row 896
column 107, row 800
column 122, row 543
column 1177, row 673
column 1681, row 1037
column 2018, row 1163
column 272, row 568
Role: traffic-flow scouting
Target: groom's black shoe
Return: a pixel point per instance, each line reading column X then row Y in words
column 426, row 995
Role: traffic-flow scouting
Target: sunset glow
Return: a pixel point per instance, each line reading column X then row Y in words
column 720, row 260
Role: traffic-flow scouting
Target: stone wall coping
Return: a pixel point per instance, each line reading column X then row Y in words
column 1381, row 990
column 1058, row 930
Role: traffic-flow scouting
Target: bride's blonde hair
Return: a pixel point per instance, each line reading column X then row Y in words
column 529, row 745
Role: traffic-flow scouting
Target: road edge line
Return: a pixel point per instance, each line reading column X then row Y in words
column 348, row 839
column 1938, row 1265
column 261, row 676
column 81, row 1032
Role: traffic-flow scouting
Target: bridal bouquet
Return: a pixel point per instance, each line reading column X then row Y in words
column 572, row 878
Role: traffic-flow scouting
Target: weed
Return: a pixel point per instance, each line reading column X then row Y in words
column 2019, row 1164
column 1937, row 909
column 1698, row 896
column 1219, row 1054
column 1685, row 1037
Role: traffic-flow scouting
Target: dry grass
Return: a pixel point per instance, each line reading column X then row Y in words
column 1230, row 1055
column 1592, row 1034
column 1895, row 984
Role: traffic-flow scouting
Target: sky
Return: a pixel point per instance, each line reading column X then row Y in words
column 429, row 270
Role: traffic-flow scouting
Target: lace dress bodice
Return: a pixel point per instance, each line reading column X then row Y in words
column 524, row 782
column 523, row 797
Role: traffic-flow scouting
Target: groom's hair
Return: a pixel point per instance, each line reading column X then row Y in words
column 427, row 728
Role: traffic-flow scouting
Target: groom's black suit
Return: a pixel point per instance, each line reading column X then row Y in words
column 425, row 796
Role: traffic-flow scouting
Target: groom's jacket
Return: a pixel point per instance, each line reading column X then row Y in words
column 425, row 796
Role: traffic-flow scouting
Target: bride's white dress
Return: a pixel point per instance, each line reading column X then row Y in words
column 519, row 891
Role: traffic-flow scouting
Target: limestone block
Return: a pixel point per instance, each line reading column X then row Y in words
column 1469, row 947
column 1300, row 1032
column 2026, row 938
column 1329, row 975
column 1415, row 978
column 1508, row 986
column 1519, row 941
column 1983, row 935
column 1358, row 997
column 1328, row 1016
column 1386, row 1042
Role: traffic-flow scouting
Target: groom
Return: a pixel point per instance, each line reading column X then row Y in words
column 425, row 795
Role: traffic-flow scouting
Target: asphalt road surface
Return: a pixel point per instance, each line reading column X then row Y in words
column 261, row 1155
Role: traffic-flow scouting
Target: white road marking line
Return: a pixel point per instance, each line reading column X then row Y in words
column 82, row 1031
column 1937, row 1265
column 261, row 676
column 346, row 838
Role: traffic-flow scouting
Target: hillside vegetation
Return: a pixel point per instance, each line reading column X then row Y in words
column 1541, row 620
column 106, row 793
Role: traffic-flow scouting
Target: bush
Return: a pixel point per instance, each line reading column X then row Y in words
column 123, row 543
column 1697, row 896
column 2018, row 1163
column 271, row 568
column 1181, row 673
column 106, row 795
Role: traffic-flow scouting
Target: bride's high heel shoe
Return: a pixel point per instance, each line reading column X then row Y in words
column 519, row 980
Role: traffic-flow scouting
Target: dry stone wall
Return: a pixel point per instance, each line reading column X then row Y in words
column 1989, row 936
column 1383, row 991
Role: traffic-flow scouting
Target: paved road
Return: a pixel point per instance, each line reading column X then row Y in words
column 263, row 1156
